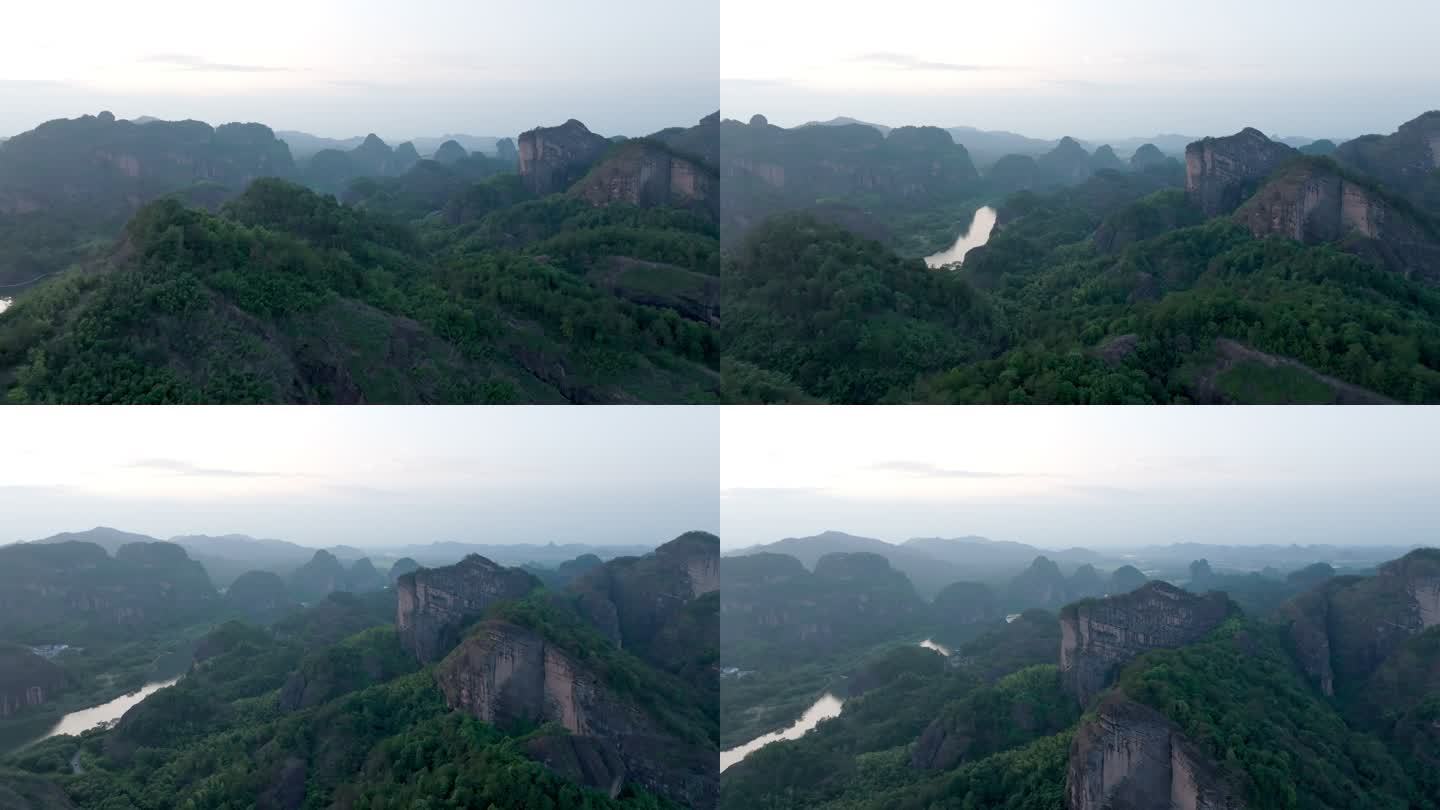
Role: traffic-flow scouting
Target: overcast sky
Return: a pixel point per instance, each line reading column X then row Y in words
column 340, row 68
column 363, row 476
column 1100, row 477
column 1095, row 70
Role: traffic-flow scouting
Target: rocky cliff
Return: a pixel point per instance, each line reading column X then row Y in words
column 647, row 173
column 1127, row 756
column 1221, row 172
column 434, row 604
column 1313, row 201
column 1344, row 629
column 1406, row 161
column 27, row 679
column 1097, row 636
column 512, row 676
column 654, row 606
column 552, row 158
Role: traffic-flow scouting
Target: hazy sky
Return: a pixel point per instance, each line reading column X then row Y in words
column 348, row 67
column 1046, row 68
column 1100, row 477
column 364, row 476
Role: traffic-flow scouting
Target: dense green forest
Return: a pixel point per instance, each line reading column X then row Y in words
column 426, row 281
column 1110, row 287
column 993, row 724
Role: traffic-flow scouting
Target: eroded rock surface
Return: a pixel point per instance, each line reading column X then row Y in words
column 433, row 604
column 1127, row 756
column 552, row 158
column 1221, row 172
column 1097, row 636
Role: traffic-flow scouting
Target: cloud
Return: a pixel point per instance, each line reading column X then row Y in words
column 185, row 468
column 195, row 63
column 903, row 62
column 922, row 469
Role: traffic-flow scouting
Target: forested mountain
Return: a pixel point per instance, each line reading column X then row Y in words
column 1253, row 273
column 599, row 695
column 434, row 281
column 1153, row 698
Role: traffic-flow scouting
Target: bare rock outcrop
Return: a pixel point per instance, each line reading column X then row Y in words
column 1406, row 161
column 1221, row 172
column 1128, row 756
column 1098, row 636
column 1344, row 629
column 552, row 158
column 1313, row 201
column 646, row 173
column 509, row 675
column 433, row 604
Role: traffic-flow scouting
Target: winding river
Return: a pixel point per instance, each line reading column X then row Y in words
column 86, row 719
column 974, row 236
column 826, row 707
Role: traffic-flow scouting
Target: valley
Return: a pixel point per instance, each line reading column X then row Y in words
column 1110, row 689
column 1235, row 269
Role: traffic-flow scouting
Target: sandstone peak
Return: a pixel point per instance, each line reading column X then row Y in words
column 1220, row 173
column 1098, row 636
column 434, row 604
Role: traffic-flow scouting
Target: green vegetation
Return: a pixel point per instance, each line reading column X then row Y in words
column 289, row 296
column 1111, row 291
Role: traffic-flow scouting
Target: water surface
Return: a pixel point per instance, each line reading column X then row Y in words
column 930, row 644
column 977, row 234
column 86, row 719
column 5, row 303
column 826, row 707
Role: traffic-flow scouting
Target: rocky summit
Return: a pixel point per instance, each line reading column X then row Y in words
column 552, row 158
column 647, row 173
column 434, row 604
column 1221, row 172
column 1097, row 636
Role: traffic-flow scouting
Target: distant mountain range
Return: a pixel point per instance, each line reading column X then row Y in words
column 227, row 556
column 303, row 145
column 988, row 146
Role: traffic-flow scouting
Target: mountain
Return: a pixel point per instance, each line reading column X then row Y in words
column 103, row 536
column 1407, row 161
column 1068, row 163
column 1314, row 201
column 552, row 158
column 401, row 567
column 260, row 596
column 1039, row 585
column 845, row 121
column 1146, row 156
column 75, row 590
column 1220, row 173
column 988, row 146
column 928, row 573
column 772, row 608
column 450, row 152
column 28, row 680
column 434, row 604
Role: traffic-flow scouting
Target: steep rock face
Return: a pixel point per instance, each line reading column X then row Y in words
column 27, row 679
column 506, row 675
column 1344, row 629
column 434, row 603
column 1407, row 161
column 652, row 606
column 552, row 158
column 1221, row 172
column 1098, row 636
column 1313, row 202
column 645, row 173
column 1128, row 756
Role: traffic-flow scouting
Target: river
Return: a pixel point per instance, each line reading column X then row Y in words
column 85, row 719
column 826, row 707
column 5, row 303
column 974, row 236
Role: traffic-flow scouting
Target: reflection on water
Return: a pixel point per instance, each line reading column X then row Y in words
column 940, row 648
column 86, row 719
column 1010, row 617
column 826, row 707
column 976, row 235
column 5, row 303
